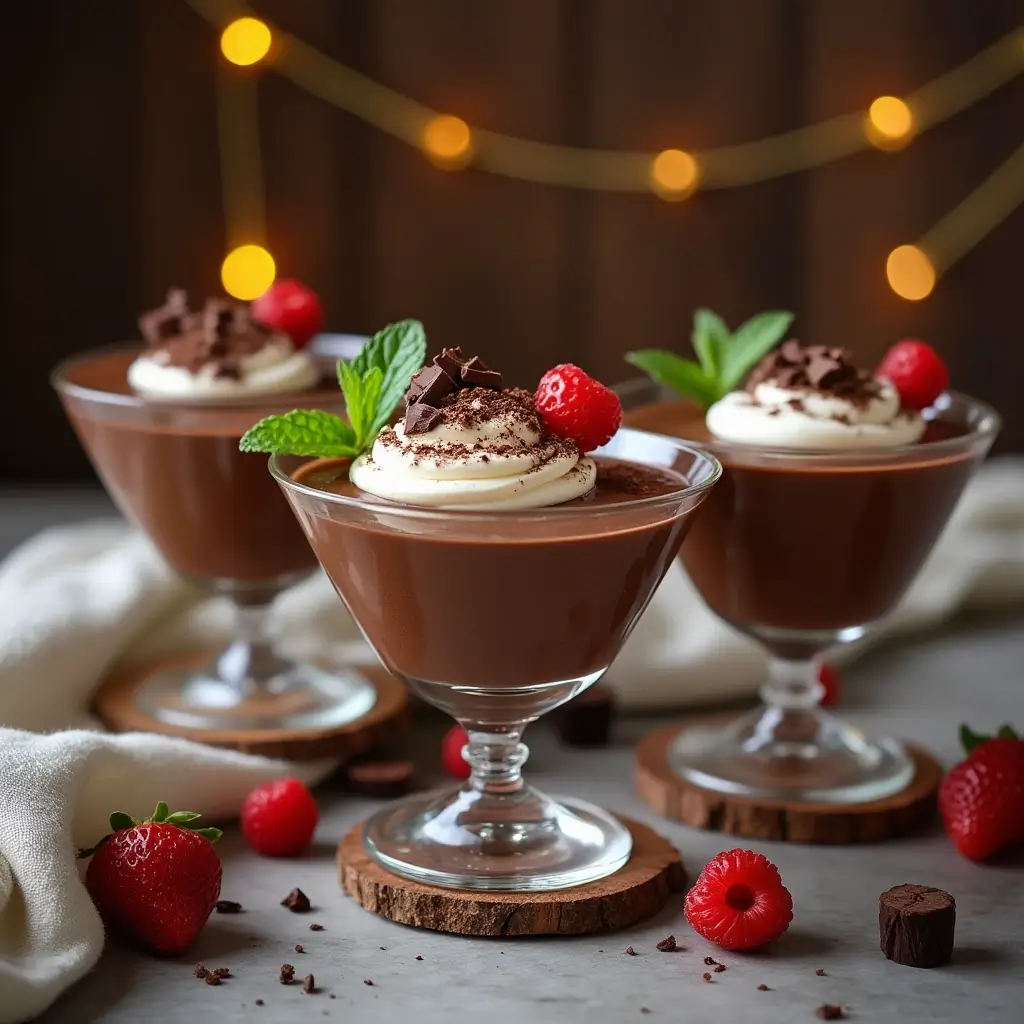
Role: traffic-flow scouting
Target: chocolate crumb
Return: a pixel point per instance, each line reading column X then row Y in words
column 763, row 988
column 382, row 947
column 710, row 961
column 367, row 981
column 829, row 1011
column 287, row 975
column 200, row 971
column 316, row 928
column 223, row 972
column 332, row 996
column 298, row 948
column 308, row 984
column 629, row 951
column 228, row 907
column 212, row 979
column 719, row 968
column 644, row 1009
column 419, row 958
column 820, row 972
column 296, row 901
column 259, row 1002
column 706, row 976
column 668, row 944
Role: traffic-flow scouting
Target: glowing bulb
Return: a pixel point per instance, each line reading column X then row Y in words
column 247, row 272
column 910, row 272
column 447, row 141
column 890, row 123
column 245, row 41
column 675, row 174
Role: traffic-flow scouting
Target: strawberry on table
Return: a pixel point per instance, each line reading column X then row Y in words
column 982, row 798
column 574, row 405
column 155, row 881
column 917, row 371
column 290, row 307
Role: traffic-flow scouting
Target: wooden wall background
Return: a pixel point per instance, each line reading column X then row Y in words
column 110, row 187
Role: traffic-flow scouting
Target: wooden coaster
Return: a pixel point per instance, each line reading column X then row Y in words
column 674, row 797
column 634, row 893
column 114, row 704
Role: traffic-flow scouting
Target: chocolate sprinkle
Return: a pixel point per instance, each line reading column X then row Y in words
column 296, row 901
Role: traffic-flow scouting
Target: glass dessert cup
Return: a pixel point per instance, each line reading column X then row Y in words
column 175, row 471
column 805, row 551
column 497, row 618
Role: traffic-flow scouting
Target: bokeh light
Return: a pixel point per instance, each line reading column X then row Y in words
column 245, row 41
column 890, row 123
column 910, row 272
column 247, row 272
column 674, row 174
column 448, row 141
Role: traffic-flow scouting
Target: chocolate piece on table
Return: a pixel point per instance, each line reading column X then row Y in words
column 383, row 779
column 668, row 944
column 829, row 1011
column 429, row 386
column 450, row 360
column 586, row 721
column 420, row 417
column 916, row 925
column 475, row 373
column 296, row 901
column 228, row 907
column 309, row 984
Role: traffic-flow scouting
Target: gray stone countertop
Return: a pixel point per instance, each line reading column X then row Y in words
column 919, row 690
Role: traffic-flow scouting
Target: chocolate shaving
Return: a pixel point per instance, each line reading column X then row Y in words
column 475, row 373
column 814, row 368
column 296, row 901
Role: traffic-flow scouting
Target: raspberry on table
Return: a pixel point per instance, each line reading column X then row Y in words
column 278, row 819
column 829, row 679
column 739, row 901
column 451, row 753
column 574, row 405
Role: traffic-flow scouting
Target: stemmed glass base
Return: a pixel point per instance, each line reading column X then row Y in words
column 791, row 750
column 495, row 832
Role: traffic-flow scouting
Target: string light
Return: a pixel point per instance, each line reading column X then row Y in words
column 448, row 141
column 911, row 272
column 675, row 174
column 245, row 41
column 247, row 272
column 890, row 123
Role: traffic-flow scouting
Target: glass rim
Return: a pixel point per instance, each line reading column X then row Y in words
column 986, row 430
column 701, row 456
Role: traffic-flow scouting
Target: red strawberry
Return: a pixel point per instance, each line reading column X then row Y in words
column 739, row 901
column 155, row 881
column 451, row 752
column 982, row 798
column 574, row 405
column 829, row 678
column 918, row 372
column 279, row 818
column 290, row 307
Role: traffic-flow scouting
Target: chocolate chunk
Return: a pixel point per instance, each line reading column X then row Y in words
column 298, row 948
column 450, row 360
column 586, row 721
column 259, row 1002
column 381, row 779
column 763, row 988
column 287, row 974
column 706, row 976
column 218, row 319
column 719, row 968
column 420, row 417
column 429, row 386
column 309, row 984
column 476, row 374
column 316, row 928
column 644, row 1009
column 629, row 951
column 829, row 1011
column 916, row 925
column 200, row 971
column 212, row 978
column 228, row 907
column 367, row 981
column 296, row 901
column 668, row 944
column 820, row 972
column 419, row 958
column 223, row 972
column 166, row 322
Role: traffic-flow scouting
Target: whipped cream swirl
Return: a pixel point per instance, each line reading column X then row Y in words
column 487, row 451
column 216, row 354
column 814, row 399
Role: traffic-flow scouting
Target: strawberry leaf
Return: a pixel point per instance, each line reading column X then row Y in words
column 119, row 821
column 1007, row 732
column 213, row 834
column 970, row 740
column 181, row 817
column 161, row 812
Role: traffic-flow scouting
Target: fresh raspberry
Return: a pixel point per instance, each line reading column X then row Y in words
column 982, row 798
column 292, row 308
column 739, row 901
column 829, row 678
column 574, row 405
column 279, row 818
column 918, row 372
column 156, row 881
column 451, row 752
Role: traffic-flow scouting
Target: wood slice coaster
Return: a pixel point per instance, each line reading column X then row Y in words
column 635, row 892
column 114, row 704
column 674, row 797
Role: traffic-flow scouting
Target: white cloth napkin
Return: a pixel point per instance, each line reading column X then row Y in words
column 74, row 601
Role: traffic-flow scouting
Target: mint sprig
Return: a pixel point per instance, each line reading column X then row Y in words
column 724, row 358
column 373, row 384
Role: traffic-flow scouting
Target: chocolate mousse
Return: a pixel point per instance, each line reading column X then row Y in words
column 169, row 456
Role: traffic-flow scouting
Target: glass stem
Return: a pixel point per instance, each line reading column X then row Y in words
column 792, row 685
column 250, row 664
column 495, row 757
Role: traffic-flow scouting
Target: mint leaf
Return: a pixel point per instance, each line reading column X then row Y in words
column 710, row 338
column 307, row 432
column 398, row 352
column 750, row 343
column 361, row 397
column 682, row 375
